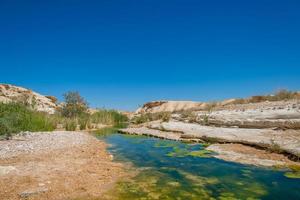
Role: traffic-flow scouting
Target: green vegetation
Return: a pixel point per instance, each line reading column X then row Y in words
column 294, row 172
column 171, row 183
column 70, row 124
column 74, row 105
column 203, row 153
column 183, row 152
column 108, row 117
column 147, row 117
column 110, row 129
column 189, row 115
column 21, row 116
column 159, row 185
column 16, row 117
column 74, row 113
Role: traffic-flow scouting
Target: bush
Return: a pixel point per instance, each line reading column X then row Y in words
column 211, row 106
column 165, row 116
column 15, row 117
column 6, row 128
column 143, row 118
column 70, row 124
column 278, row 96
column 83, row 122
column 285, row 95
column 257, row 99
column 74, row 105
column 110, row 117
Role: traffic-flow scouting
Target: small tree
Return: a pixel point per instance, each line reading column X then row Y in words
column 74, row 105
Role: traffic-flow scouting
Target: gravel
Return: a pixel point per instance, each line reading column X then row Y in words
column 29, row 142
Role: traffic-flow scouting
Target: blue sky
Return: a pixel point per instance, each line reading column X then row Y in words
column 120, row 54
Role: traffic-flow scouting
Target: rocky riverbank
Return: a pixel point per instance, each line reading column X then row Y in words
column 56, row 165
column 264, row 147
column 263, row 133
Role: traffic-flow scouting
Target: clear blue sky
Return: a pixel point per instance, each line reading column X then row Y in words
column 120, row 54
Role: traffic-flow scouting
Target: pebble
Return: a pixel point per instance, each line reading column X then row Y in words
column 39, row 141
column 28, row 193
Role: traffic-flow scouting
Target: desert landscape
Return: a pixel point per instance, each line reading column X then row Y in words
column 75, row 164
column 150, row 100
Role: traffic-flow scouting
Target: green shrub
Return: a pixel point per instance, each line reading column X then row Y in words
column 83, row 123
column 164, row 116
column 6, row 128
column 143, row 118
column 74, row 105
column 205, row 121
column 70, row 124
column 15, row 117
column 110, row 117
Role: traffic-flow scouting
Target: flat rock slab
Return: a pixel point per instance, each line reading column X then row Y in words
column 232, row 152
column 151, row 132
column 288, row 140
column 248, row 155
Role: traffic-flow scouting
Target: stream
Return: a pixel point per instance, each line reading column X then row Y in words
column 176, row 170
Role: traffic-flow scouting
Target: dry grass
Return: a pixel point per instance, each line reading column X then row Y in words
column 280, row 95
column 148, row 117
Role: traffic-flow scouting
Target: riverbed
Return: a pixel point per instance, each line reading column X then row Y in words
column 175, row 170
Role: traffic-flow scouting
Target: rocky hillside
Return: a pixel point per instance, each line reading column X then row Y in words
column 277, row 114
column 238, row 130
column 232, row 104
column 11, row 93
column 174, row 106
column 167, row 106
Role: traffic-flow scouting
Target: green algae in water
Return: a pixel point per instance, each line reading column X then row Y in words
column 185, row 150
column 158, row 185
column 105, row 131
column 178, row 152
column 164, row 144
column 295, row 175
column 183, row 177
column 293, row 171
column 201, row 153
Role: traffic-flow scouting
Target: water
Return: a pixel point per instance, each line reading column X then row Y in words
column 175, row 170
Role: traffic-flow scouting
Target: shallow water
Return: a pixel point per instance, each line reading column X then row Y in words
column 175, row 170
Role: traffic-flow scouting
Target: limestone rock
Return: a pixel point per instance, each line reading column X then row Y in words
column 11, row 93
column 6, row 169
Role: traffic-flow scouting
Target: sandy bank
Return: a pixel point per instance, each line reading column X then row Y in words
column 57, row 165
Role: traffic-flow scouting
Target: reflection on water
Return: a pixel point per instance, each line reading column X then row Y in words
column 175, row 170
